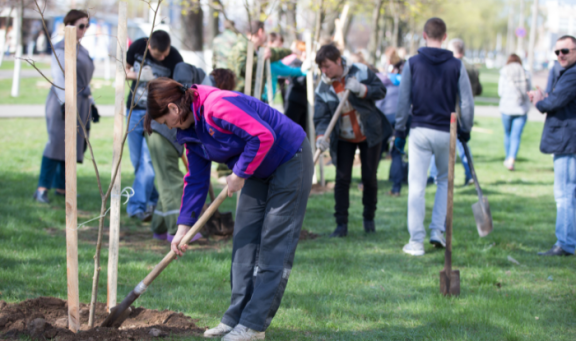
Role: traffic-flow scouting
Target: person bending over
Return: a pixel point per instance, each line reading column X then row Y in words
column 271, row 161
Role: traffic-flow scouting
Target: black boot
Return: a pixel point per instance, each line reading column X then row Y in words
column 369, row 226
column 341, row 231
column 41, row 196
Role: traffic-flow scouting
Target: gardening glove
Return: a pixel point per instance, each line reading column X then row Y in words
column 147, row 75
column 399, row 144
column 322, row 143
column 95, row 114
column 356, row 87
column 463, row 136
column 306, row 66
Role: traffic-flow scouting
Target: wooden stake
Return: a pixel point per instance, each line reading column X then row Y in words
column 113, row 251
column 259, row 74
column 269, row 92
column 247, row 88
column 249, row 65
column 70, row 140
column 311, row 131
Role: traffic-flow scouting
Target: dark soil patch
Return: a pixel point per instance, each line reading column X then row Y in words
column 46, row 318
column 307, row 235
column 317, row 189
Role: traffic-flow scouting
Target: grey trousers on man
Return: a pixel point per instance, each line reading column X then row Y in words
column 269, row 217
column 423, row 144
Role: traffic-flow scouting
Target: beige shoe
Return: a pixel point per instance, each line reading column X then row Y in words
column 243, row 333
column 220, row 330
column 509, row 163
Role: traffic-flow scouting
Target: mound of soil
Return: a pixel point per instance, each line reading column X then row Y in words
column 317, row 189
column 307, row 235
column 46, row 318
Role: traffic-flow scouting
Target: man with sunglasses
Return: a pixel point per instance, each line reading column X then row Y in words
column 559, row 138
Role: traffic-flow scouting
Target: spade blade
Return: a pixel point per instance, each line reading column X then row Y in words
column 483, row 217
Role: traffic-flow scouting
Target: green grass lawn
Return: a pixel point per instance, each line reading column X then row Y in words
column 356, row 288
column 35, row 91
column 9, row 65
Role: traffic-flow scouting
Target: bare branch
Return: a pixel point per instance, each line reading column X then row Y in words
column 46, row 31
column 33, row 64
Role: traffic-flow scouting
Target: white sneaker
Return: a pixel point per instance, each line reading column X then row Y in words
column 437, row 238
column 220, row 330
column 243, row 333
column 414, row 249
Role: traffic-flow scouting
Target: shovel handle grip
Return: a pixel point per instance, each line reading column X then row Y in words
column 450, row 204
column 332, row 123
column 191, row 233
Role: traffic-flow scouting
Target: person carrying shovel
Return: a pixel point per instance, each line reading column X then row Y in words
column 361, row 126
column 431, row 83
column 271, row 160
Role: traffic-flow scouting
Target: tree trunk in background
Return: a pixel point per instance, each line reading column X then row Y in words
column 281, row 30
column 329, row 18
column 380, row 40
column 291, row 31
column 396, row 19
column 319, row 19
column 347, row 26
column 373, row 43
column 193, row 29
column 213, row 20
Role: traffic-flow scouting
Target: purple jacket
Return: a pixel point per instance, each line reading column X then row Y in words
column 250, row 137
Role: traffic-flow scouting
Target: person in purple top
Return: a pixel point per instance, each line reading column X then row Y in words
column 271, row 161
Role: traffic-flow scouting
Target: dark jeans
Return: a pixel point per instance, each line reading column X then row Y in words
column 396, row 170
column 52, row 174
column 269, row 217
column 297, row 113
column 369, row 157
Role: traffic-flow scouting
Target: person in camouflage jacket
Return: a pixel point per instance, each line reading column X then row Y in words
column 237, row 57
column 223, row 44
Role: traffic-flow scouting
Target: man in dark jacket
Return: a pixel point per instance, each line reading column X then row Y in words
column 361, row 125
column 432, row 81
column 559, row 138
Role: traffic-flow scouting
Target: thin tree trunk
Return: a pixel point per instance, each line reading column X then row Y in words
column 396, row 19
column 96, row 276
column 319, row 19
column 347, row 26
column 291, row 21
column 193, row 28
column 373, row 44
column 213, row 19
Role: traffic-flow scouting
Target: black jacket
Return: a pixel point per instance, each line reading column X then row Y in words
column 376, row 126
column 559, row 134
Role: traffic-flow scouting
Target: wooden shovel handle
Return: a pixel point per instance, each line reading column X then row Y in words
column 193, row 231
column 450, row 204
column 332, row 123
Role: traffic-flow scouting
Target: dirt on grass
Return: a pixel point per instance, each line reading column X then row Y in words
column 46, row 318
column 318, row 189
column 307, row 235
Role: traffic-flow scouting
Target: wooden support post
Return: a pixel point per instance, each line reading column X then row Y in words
column 311, row 132
column 249, row 66
column 247, row 87
column 119, row 112
column 70, row 140
column 259, row 74
column 269, row 92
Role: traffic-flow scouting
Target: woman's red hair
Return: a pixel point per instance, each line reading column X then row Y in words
column 163, row 91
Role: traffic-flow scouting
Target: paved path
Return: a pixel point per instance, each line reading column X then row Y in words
column 7, row 111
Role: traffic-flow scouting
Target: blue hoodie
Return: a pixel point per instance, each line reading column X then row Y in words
column 432, row 81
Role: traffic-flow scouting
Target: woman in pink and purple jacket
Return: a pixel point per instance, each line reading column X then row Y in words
column 272, row 164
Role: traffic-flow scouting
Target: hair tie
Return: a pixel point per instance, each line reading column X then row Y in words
column 183, row 89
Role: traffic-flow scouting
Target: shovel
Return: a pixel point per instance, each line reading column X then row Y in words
column 332, row 123
column 120, row 312
column 481, row 209
column 450, row 279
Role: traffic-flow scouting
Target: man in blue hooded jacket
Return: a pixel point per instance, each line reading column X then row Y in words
column 432, row 81
column 559, row 138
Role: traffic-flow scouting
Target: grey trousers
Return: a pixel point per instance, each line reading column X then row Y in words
column 269, row 217
column 423, row 144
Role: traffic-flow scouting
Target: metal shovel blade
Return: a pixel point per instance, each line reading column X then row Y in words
column 450, row 286
column 483, row 217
